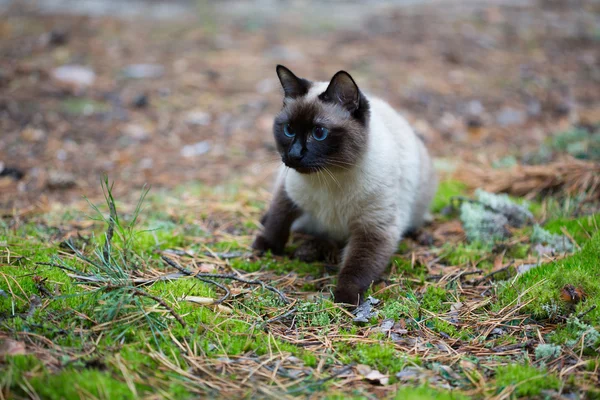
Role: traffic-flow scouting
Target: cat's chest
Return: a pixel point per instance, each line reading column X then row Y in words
column 333, row 204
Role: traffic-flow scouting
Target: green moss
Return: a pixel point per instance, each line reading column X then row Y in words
column 446, row 190
column 318, row 313
column 577, row 334
column 441, row 326
column 579, row 229
column 463, row 254
column 526, row 380
column 427, row 393
column 70, row 384
column 435, row 299
column 79, row 106
column 15, row 369
column 540, row 287
column 397, row 309
column 381, row 356
column 282, row 266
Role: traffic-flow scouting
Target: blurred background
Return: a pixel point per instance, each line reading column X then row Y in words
column 169, row 92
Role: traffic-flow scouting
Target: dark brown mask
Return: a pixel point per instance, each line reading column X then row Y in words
column 324, row 131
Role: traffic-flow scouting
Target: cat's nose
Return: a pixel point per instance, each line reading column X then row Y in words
column 296, row 152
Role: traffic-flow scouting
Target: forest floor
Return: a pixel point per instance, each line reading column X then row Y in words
column 102, row 298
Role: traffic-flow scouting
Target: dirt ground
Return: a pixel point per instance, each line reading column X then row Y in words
column 479, row 82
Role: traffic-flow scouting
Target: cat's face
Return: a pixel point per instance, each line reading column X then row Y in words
column 320, row 125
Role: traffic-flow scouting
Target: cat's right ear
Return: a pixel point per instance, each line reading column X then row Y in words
column 292, row 85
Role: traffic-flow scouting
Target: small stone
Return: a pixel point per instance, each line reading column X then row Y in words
column 474, row 108
column 197, row 117
column 386, row 325
column 136, row 132
column 144, row 71
column 146, row 163
column 409, row 374
column 78, row 76
column 510, row 116
column 196, row 149
column 33, row 134
column 60, row 180
column 497, row 332
column 534, row 108
column 61, row 155
column 11, row 172
column 140, row 101
column 56, row 37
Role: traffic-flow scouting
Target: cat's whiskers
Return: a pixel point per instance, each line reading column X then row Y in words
column 333, row 164
column 333, row 177
column 325, row 179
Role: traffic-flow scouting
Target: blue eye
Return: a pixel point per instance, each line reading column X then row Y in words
column 287, row 131
column 320, row 133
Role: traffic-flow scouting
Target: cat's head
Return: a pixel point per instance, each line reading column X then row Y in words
column 322, row 124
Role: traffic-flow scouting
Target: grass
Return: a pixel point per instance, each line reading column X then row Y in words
column 105, row 340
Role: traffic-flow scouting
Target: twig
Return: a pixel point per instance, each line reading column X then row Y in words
column 584, row 313
column 227, row 292
column 162, row 303
column 34, row 304
column 41, row 287
column 281, row 316
column 491, row 274
column 502, row 349
column 135, row 281
column 49, row 264
column 175, row 265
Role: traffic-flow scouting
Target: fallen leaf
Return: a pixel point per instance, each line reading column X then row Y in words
column 200, row 300
column 498, row 261
column 386, row 325
column 224, row 309
column 409, row 374
column 572, row 294
column 206, row 268
column 365, row 311
column 12, row 348
column 377, row 377
column 363, row 369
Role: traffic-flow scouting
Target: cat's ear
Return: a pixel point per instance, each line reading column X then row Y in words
column 343, row 90
column 292, row 85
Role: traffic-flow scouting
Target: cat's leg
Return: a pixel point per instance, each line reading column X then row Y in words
column 365, row 259
column 277, row 222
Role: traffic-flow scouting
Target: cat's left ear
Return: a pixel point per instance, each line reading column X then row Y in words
column 292, row 85
column 343, row 90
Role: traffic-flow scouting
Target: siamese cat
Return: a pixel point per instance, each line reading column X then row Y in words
column 354, row 173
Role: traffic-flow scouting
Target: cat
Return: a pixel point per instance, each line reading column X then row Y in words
column 354, row 172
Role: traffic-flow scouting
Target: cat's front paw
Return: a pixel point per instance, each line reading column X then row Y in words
column 261, row 244
column 347, row 293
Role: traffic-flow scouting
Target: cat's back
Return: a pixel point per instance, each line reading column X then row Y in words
column 388, row 124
